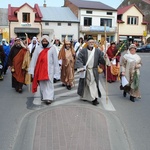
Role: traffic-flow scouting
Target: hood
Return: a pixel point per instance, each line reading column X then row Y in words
column 47, row 38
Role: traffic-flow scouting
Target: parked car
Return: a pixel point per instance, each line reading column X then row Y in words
column 144, row 48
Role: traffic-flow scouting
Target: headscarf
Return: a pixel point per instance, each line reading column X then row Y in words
column 47, row 38
column 5, row 42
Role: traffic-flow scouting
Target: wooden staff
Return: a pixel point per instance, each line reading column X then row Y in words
column 29, row 76
column 106, row 67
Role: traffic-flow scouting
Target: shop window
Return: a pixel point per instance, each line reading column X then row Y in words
column 69, row 37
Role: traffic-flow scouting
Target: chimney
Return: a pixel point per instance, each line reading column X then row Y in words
column 44, row 5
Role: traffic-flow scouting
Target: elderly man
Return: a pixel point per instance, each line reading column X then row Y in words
column 44, row 64
column 87, row 62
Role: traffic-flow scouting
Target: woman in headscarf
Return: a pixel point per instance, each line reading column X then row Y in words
column 131, row 64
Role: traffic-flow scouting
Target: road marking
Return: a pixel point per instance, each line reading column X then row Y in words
column 107, row 105
column 60, row 102
column 60, row 83
column 66, row 94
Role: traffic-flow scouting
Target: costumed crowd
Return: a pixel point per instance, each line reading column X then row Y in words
column 44, row 62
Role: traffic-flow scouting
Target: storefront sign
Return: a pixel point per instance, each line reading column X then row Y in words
column 26, row 24
column 99, row 28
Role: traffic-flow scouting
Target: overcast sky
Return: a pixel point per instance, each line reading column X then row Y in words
column 52, row 3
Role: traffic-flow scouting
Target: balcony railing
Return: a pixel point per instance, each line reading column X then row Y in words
column 97, row 29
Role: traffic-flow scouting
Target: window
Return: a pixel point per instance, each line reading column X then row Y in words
column 69, row 24
column 59, row 24
column 87, row 21
column 69, row 37
column 132, row 20
column 47, row 23
column 104, row 21
column 119, row 17
column 89, row 12
column 109, row 13
column 25, row 17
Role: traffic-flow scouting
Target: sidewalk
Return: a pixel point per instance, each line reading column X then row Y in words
column 73, row 126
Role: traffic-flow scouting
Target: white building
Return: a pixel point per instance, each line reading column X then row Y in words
column 93, row 16
column 57, row 22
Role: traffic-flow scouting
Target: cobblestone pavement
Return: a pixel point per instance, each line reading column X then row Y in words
column 71, row 128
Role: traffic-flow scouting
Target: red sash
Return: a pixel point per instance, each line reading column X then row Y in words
column 41, row 69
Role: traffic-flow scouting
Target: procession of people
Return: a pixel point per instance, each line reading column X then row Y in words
column 43, row 63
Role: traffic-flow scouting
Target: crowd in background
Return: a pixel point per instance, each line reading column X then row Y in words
column 22, row 57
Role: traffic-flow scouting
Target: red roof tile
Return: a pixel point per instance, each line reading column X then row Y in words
column 122, row 10
column 12, row 12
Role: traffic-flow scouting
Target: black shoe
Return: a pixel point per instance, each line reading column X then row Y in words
column 20, row 90
column 132, row 98
column 68, row 87
column 109, row 81
column 55, row 80
column 63, row 84
column 48, row 102
column 124, row 94
column 95, row 102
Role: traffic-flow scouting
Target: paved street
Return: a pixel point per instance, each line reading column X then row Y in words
column 70, row 123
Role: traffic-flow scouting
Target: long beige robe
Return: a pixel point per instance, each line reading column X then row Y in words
column 67, row 71
column 25, row 66
column 130, row 64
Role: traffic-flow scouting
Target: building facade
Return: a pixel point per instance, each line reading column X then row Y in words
column 131, row 26
column 96, row 19
column 60, row 22
column 4, row 27
column 24, row 19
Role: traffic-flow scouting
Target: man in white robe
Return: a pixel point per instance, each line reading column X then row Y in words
column 43, row 73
